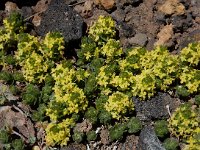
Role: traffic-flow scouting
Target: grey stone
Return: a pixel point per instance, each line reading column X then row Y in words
column 148, row 140
column 192, row 37
column 60, row 17
column 139, row 39
column 124, row 3
column 155, row 108
column 119, row 14
column 26, row 11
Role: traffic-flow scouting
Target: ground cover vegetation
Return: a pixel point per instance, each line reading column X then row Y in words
column 98, row 85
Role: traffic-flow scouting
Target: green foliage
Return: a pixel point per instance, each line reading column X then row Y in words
column 185, row 124
column 38, row 57
column 170, row 144
column 14, row 90
column 105, row 117
column 161, row 128
column 100, row 83
column 197, row 99
column 6, row 77
column 102, row 30
column 31, row 95
column 182, row 91
column 191, row 54
column 134, row 125
column 78, row 136
column 4, row 136
column 91, row 135
column 91, row 115
column 18, row 144
column 10, row 60
column 59, row 133
column 8, row 35
column 8, row 143
column 117, row 131
column 118, row 105
column 46, row 94
column 40, row 113
column 190, row 77
column 18, row 76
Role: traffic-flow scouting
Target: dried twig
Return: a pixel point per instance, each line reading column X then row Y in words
column 77, row 3
column 33, row 15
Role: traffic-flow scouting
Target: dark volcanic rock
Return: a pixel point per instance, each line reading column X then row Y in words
column 181, row 23
column 60, row 17
column 123, row 3
column 192, row 37
column 148, row 140
column 155, row 108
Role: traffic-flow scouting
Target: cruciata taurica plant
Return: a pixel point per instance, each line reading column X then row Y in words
column 102, row 80
column 185, row 125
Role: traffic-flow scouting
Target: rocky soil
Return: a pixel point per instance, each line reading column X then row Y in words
column 147, row 23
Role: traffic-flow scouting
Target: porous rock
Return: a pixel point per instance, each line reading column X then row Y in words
column 139, row 39
column 155, row 108
column 148, row 140
column 61, row 18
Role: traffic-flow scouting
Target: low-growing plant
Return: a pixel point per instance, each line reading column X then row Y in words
column 8, row 143
column 99, row 84
column 4, row 136
column 6, row 77
column 59, row 133
column 185, row 124
column 40, row 113
column 18, row 144
column 182, row 91
column 171, row 144
column 31, row 95
column 91, row 115
column 118, row 105
column 105, row 117
column 134, row 125
column 91, row 135
column 161, row 128
column 197, row 99
column 117, row 131
column 14, row 90
column 18, row 76
column 78, row 136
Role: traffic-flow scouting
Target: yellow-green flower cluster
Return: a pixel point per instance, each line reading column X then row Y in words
column 67, row 92
column 111, row 50
column 119, row 104
column 191, row 54
column 191, row 79
column 162, row 64
column 52, row 46
column 185, row 124
column 123, row 81
column 8, row 34
column 35, row 68
column 27, row 44
column 59, row 133
column 103, row 29
column 38, row 57
column 145, row 84
column 193, row 141
column 189, row 67
column 132, row 59
column 14, row 23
